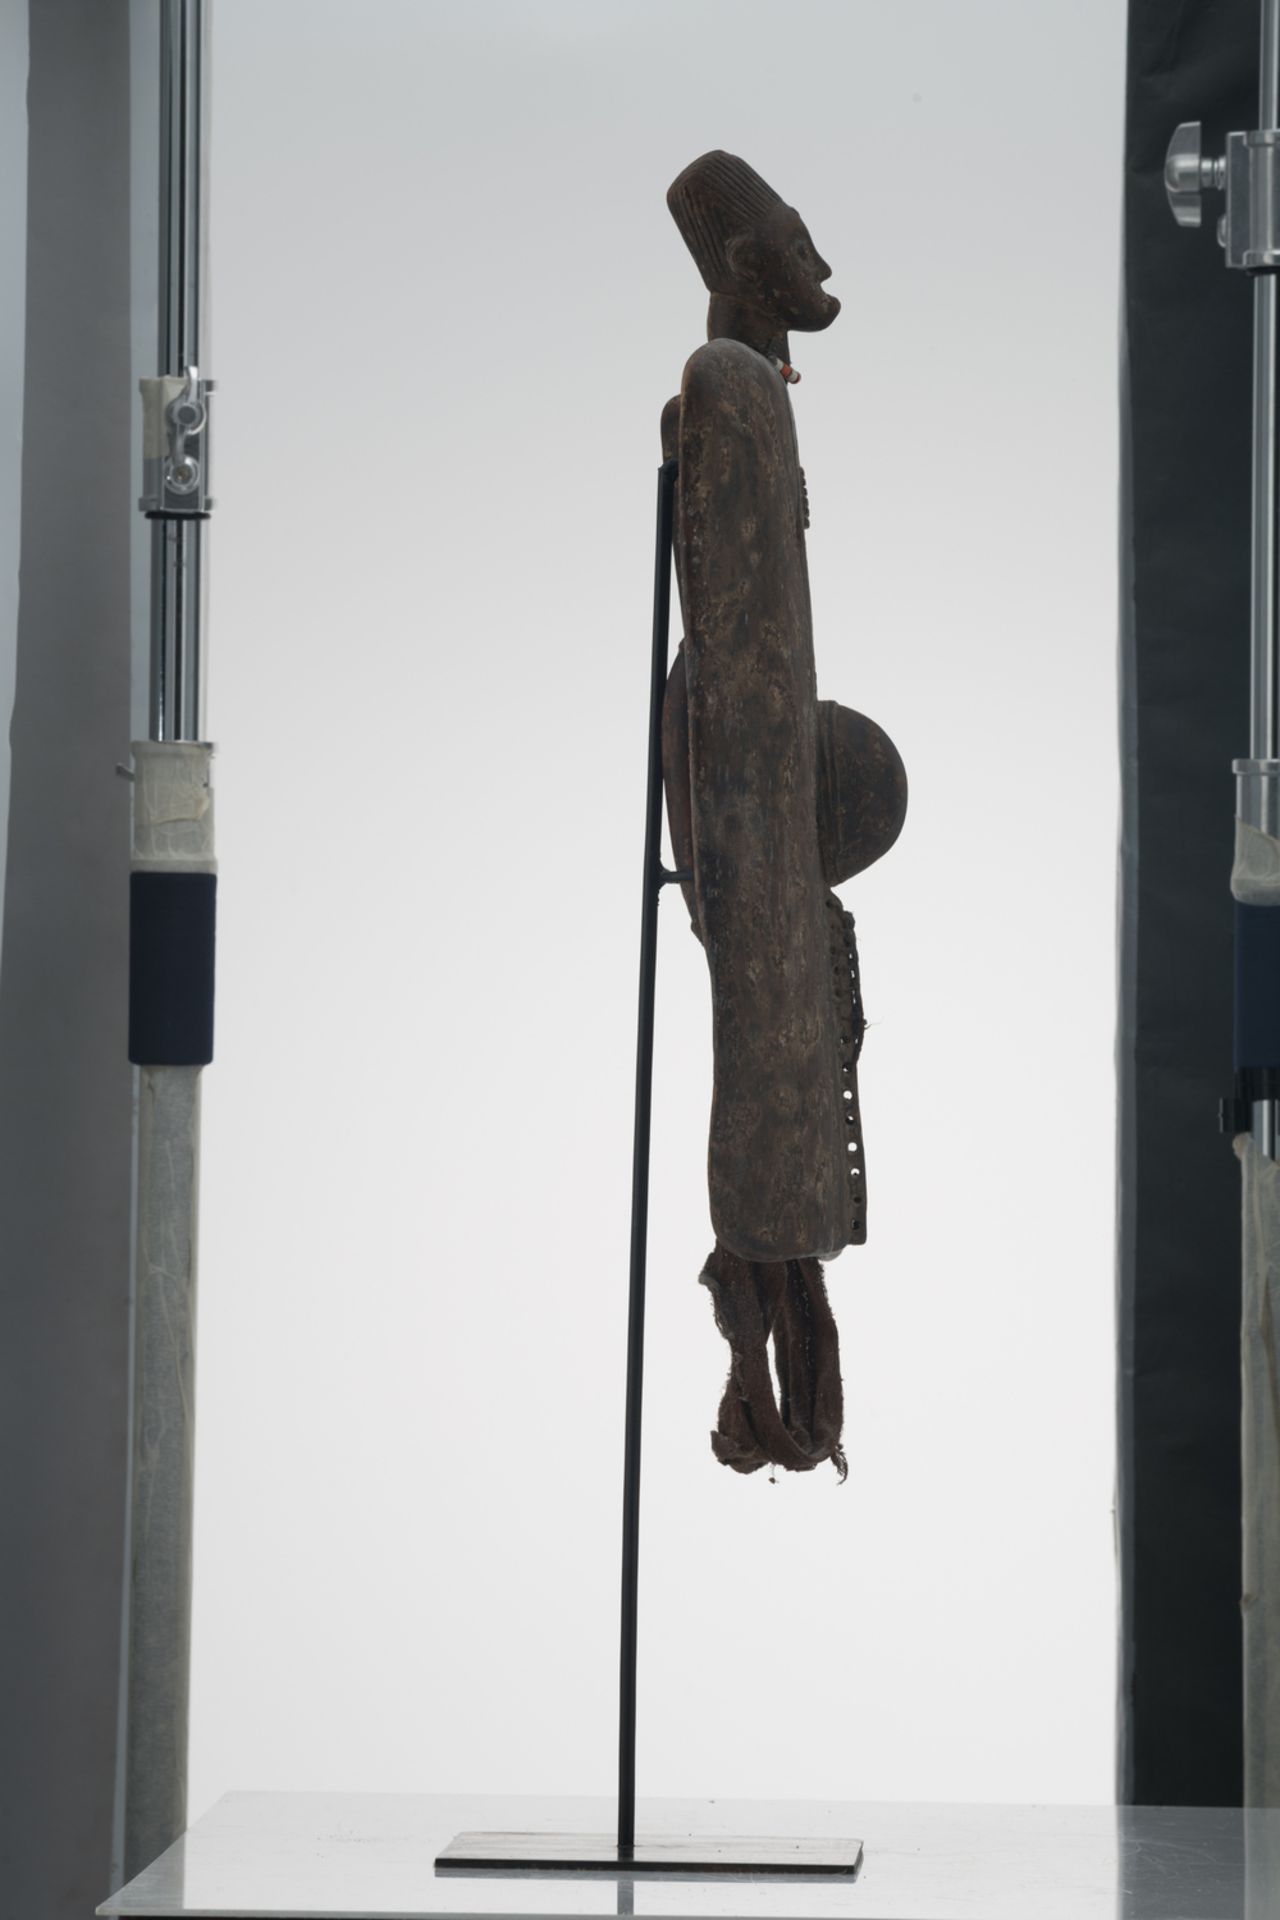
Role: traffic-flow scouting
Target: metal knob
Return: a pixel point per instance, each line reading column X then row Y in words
column 1187, row 175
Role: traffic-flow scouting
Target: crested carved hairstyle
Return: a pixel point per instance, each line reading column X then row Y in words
column 715, row 201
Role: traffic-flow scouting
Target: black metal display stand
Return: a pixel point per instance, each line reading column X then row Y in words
column 584, row 1853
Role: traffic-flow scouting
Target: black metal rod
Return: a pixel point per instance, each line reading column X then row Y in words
column 654, row 875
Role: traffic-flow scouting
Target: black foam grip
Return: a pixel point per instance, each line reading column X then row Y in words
column 1257, row 1014
column 172, row 922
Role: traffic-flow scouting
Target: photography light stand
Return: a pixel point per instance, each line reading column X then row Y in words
column 171, row 953
column 677, row 1855
column 1249, row 232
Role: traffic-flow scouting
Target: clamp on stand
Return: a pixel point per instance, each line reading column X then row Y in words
column 175, row 446
column 1249, row 175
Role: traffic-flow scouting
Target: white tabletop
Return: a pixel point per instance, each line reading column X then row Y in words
column 299, row 1856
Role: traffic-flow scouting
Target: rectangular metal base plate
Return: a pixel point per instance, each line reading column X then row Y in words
column 679, row 1856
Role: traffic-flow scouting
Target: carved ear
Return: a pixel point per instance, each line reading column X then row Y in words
column 746, row 258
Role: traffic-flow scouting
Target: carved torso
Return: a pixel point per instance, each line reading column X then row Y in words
column 781, row 1184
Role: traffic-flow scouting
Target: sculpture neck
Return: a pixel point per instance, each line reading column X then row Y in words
column 729, row 318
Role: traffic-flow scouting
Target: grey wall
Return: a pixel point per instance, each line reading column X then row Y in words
column 65, row 1085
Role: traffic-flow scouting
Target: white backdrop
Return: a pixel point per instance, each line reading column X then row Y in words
column 449, row 304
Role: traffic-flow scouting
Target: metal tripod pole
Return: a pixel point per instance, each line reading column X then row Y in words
column 1258, row 777
column 172, row 894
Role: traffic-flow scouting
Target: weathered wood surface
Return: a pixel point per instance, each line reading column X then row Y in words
column 783, row 1183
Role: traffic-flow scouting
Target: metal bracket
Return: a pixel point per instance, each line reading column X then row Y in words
column 1249, row 173
column 1253, row 201
column 175, row 446
column 1258, row 794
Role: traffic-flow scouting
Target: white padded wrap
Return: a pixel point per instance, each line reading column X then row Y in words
column 173, row 807
column 1255, row 877
column 172, row 833
column 1260, row 1359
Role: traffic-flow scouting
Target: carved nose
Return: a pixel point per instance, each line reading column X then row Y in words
column 824, row 271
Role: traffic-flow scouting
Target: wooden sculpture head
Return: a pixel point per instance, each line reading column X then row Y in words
column 754, row 252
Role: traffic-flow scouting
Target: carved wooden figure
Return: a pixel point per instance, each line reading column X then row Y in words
column 773, row 799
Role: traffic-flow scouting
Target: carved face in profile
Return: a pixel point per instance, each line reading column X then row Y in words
column 778, row 269
column 749, row 244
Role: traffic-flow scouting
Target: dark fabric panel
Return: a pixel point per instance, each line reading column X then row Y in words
column 171, row 954
column 1257, row 1022
column 65, row 1083
column 1185, row 636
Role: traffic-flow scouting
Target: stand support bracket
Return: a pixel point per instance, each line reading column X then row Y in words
column 1249, row 174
